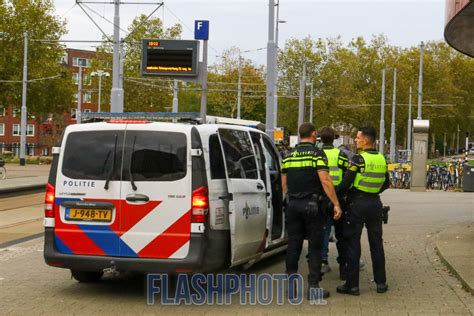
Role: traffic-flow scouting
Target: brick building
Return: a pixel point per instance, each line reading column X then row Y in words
column 41, row 136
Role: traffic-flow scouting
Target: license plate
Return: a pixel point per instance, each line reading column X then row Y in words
column 88, row 215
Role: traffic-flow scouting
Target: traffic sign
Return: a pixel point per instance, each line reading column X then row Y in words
column 201, row 30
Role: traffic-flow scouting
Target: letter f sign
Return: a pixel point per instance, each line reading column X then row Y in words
column 201, row 30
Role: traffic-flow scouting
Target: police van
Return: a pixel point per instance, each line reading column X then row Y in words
column 131, row 193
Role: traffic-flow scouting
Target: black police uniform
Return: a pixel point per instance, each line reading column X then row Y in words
column 342, row 164
column 363, row 209
column 304, row 217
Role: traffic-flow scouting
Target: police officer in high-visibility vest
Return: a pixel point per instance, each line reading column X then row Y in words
column 364, row 180
column 337, row 163
column 305, row 179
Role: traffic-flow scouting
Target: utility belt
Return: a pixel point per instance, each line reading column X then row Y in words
column 305, row 195
column 355, row 194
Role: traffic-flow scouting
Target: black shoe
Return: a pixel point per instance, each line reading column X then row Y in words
column 343, row 289
column 317, row 293
column 382, row 288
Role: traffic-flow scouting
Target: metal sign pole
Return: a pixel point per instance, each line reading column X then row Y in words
column 204, row 82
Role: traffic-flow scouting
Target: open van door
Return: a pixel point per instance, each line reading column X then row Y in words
column 246, row 195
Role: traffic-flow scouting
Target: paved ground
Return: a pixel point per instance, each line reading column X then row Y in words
column 419, row 282
column 456, row 247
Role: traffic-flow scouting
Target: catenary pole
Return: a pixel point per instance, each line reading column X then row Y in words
column 23, row 102
column 270, row 89
column 302, row 96
column 420, row 82
column 393, row 137
column 382, row 116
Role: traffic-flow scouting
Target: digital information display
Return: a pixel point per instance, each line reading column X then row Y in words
column 170, row 58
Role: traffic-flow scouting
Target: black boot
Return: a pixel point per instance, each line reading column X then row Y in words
column 344, row 289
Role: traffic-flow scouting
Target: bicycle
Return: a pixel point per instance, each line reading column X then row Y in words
column 3, row 170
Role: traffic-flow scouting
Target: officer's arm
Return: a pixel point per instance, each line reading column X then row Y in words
column 328, row 187
column 386, row 184
column 346, row 183
column 283, row 176
column 350, row 174
column 283, row 184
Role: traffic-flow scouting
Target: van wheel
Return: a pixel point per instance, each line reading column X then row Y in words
column 86, row 276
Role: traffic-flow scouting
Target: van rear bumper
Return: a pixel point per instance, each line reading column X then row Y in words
column 207, row 252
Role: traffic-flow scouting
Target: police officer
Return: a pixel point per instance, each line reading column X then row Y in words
column 305, row 178
column 337, row 163
column 368, row 176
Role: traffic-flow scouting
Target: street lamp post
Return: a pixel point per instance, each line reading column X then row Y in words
column 100, row 74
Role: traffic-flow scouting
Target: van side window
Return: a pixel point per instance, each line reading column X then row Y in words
column 238, row 153
column 88, row 155
column 216, row 159
column 156, row 156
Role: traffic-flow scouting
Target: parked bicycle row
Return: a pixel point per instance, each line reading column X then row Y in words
column 440, row 175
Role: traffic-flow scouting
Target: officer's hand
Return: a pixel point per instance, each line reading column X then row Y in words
column 337, row 212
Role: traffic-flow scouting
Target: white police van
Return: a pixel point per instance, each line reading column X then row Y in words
column 133, row 194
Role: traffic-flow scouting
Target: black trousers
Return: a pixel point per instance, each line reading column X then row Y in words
column 305, row 219
column 341, row 243
column 364, row 210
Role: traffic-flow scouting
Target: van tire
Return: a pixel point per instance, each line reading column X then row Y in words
column 87, row 276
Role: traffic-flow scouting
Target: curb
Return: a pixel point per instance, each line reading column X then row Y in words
column 23, row 188
column 452, row 269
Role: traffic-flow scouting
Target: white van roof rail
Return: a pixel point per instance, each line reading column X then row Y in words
column 151, row 116
column 193, row 117
column 231, row 121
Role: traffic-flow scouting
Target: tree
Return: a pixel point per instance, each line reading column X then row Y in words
column 37, row 18
column 222, row 86
column 351, row 75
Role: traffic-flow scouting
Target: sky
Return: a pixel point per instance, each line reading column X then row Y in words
column 244, row 23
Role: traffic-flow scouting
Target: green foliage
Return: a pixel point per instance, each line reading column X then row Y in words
column 224, row 76
column 37, row 18
column 351, row 75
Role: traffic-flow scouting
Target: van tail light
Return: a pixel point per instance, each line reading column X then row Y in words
column 200, row 205
column 49, row 201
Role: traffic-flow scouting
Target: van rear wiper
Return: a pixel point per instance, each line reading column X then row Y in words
column 134, row 187
column 106, row 186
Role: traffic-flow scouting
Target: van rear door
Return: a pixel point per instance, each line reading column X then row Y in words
column 156, row 191
column 247, row 195
column 88, row 190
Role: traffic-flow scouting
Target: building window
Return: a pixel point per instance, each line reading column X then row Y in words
column 81, row 62
column 2, row 129
column 30, row 149
column 75, row 78
column 2, row 147
column 30, row 130
column 16, row 149
column 73, row 112
column 16, row 129
column 44, row 151
column 86, row 111
column 2, row 110
column 87, row 97
column 16, row 112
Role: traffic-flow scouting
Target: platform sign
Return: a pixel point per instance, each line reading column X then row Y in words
column 201, row 30
column 171, row 58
